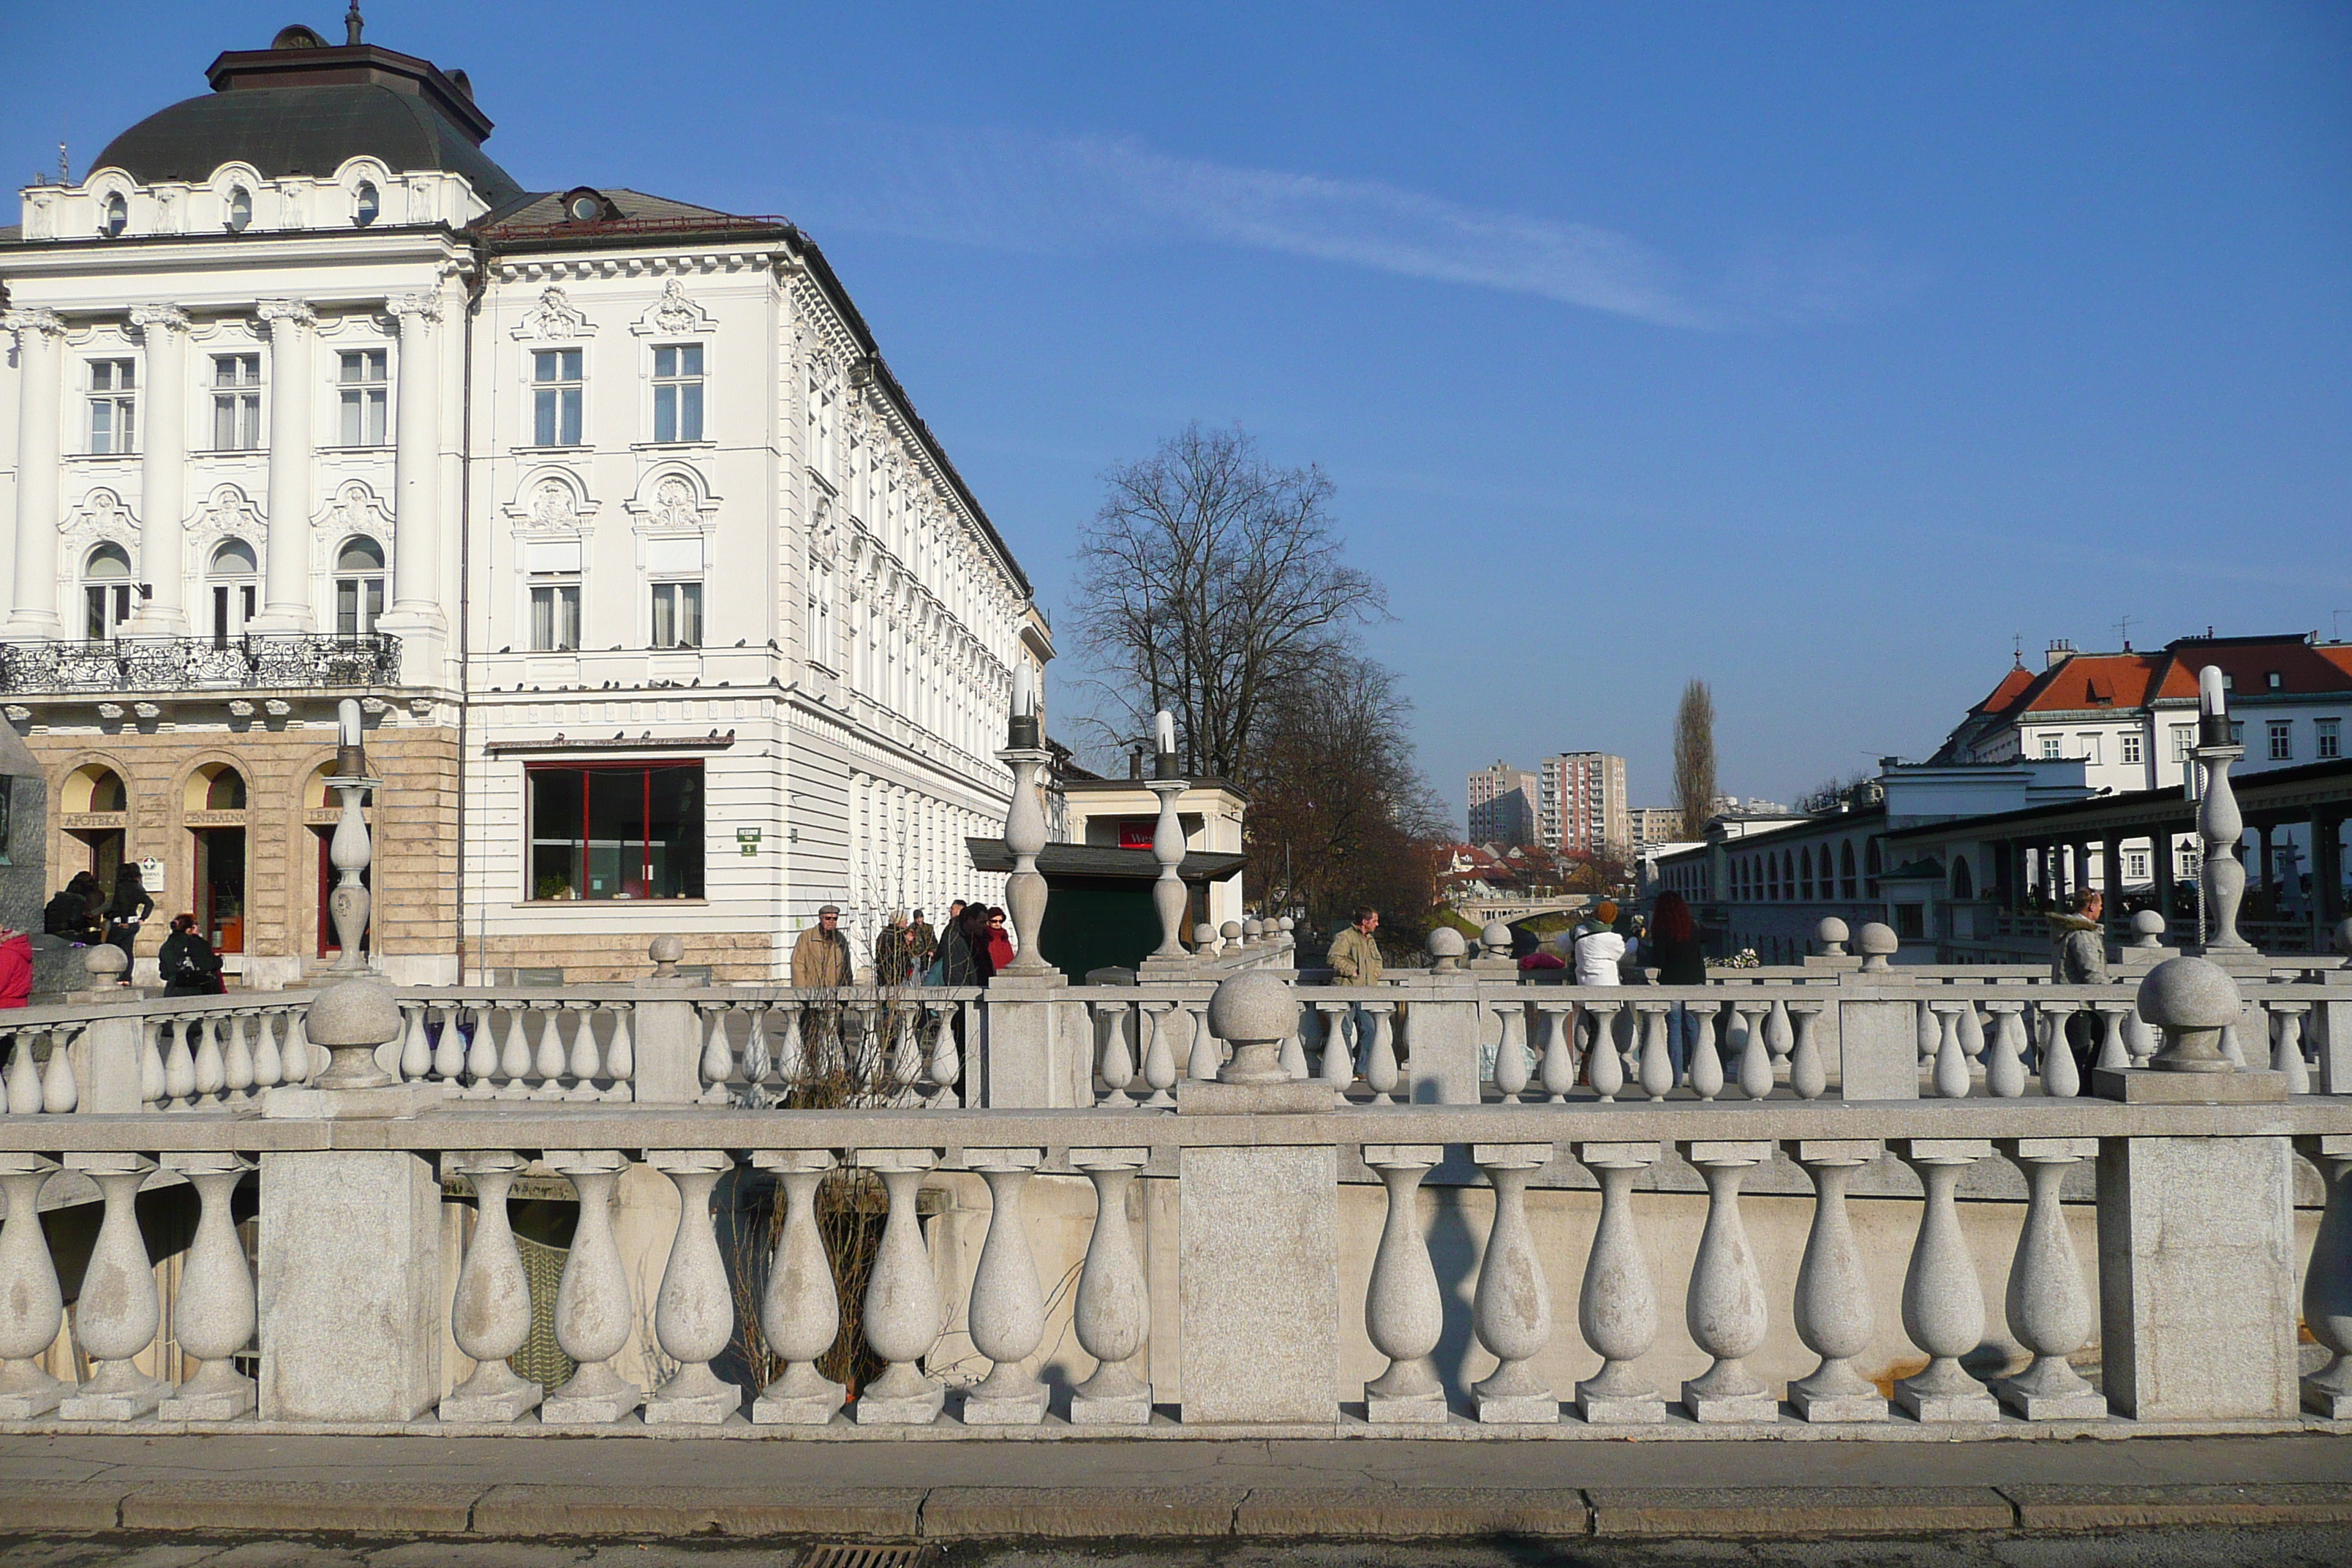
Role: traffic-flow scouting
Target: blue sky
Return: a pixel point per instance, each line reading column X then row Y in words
column 1816, row 350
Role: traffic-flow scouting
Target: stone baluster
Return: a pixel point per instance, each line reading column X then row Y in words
column 482, row 1054
column 213, row 1315
column 902, row 1308
column 1620, row 1031
column 1339, row 1062
column 1737, row 1037
column 2059, row 1078
column 2139, row 1040
column 1602, row 1066
column 718, row 1053
column 800, row 1313
column 1705, row 1067
column 302, row 1062
column 549, row 1061
column 946, row 1067
column 1779, row 1038
column 1834, row 1314
column 2326, row 1279
column 1381, row 1070
column 514, row 1051
column 1007, row 1311
column 2004, row 1064
column 151, row 1063
column 1113, row 1311
column 117, row 1314
column 1943, row 1305
column 694, row 1316
column 2112, row 1057
column 237, row 1061
column 32, row 1307
column 1117, row 1060
column 2049, row 1309
column 1511, row 1053
column 906, row 1051
column 1930, row 1032
column 1558, row 1052
column 621, row 1055
column 24, row 1097
column 60, row 1087
column 212, row 1068
column 179, row 1066
column 1207, row 1054
column 2286, row 1055
column 1971, row 1031
column 1808, row 1079
column 757, row 1058
column 789, row 1044
column 1293, row 1053
column 415, row 1050
column 1755, row 1055
column 1950, row 1078
column 268, row 1066
column 490, row 1315
column 586, row 1065
column 1404, row 1314
column 1725, row 1307
column 1617, row 1309
column 594, row 1312
column 1158, row 1054
column 1657, row 1059
column 449, row 1049
column 1512, row 1308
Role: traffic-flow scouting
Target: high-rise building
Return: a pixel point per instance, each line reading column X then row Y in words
column 1655, row 825
column 1581, row 802
column 1502, row 805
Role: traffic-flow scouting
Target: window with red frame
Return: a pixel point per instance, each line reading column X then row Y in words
column 616, row 830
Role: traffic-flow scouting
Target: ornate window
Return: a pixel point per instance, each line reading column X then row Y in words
column 117, row 218
column 113, row 406
column 557, row 386
column 236, row 403
column 366, row 203
column 359, row 586
column 675, row 566
column 106, row 591
column 678, row 392
column 360, row 376
column 233, row 576
column 240, row 209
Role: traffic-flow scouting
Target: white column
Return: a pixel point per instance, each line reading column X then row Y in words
column 1512, row 1308
column 490, row 1315
column 286, row 574
column 416, row 468
column 694, row 1316
column 40, row 355
column 1007, row 1309
column 214, row 1316
column 163, row 470
column 1404, row 1315
column 800, row 1313
column 902, row 1308
column 32, row 1307
column 1112, row 1314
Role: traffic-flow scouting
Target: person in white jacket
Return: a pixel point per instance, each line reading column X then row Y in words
column 1599, row 950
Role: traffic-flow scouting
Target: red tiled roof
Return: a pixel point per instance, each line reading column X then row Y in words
column 2011, row 685
column 2096, row 680
column 2302, row 668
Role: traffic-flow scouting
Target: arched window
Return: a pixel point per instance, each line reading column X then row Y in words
column 117, row 218
column 106, row 591
column 234, row 578
column 225, row 791
column 1805, row 870
column 1845, row 869
column 1964, row 886
column 96, row 788
column 366, row 206
column 359, row 586
column 240, row 209
column 1871, row 867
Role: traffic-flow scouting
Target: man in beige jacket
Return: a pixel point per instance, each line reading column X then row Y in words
column 821, row 956
column 1355, row 956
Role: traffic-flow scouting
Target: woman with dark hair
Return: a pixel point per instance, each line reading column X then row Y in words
column 129, row 909
column 1672, row 945
column 189, row 965
column 1000, row 942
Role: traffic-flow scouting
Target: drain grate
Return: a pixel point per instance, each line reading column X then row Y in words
column 867, row 1557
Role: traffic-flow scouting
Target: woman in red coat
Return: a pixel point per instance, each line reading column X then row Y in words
column 999, row 942
column 15, row 968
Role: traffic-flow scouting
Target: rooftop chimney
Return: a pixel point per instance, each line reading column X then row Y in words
column 2061, row 650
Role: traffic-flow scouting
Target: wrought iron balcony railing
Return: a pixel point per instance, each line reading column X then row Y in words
column 254, row 662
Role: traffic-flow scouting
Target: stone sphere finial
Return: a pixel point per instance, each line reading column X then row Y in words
column 1878, row 943
column 1253, row 1013
column 1230, row 932
column 1285, row 925
column 350, row 1018
column 1204, row 936
column 1495, row 937
column 2190, row 1001
column 1831, row 933
column 1445, row 948
column 2147, row 929
column 666, row 949
column 1253, row 931
column 104, row 964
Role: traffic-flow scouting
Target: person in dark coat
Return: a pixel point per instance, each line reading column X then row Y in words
column 189, row 965
column 1672, row 945
column 73, row 914
column 129, row 909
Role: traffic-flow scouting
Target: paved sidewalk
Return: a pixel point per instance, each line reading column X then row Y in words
column 591, row 1487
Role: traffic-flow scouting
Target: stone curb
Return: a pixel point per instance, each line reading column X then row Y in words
column 1796, row 1510
column 533, row 1510
column 528, row 1510
column 1004, row 1512
column 2110, row 1507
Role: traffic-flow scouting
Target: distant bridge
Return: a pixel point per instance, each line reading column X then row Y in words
column 1510, row 911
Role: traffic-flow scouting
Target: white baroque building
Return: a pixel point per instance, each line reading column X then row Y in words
column 669, row 613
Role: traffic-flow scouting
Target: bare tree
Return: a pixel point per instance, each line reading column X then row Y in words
column 1209, row 579
column 1694, row 759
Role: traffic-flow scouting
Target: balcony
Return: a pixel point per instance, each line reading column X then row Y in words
column 291, row 662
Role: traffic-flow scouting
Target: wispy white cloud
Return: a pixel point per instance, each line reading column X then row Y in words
column 1053, row 194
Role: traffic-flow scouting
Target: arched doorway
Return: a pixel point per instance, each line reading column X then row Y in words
column 234, row 581
column 216, row 803
column 97, row 804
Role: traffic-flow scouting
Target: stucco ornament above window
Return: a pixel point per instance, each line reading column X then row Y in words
column 554, row 319
column 674, row 315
